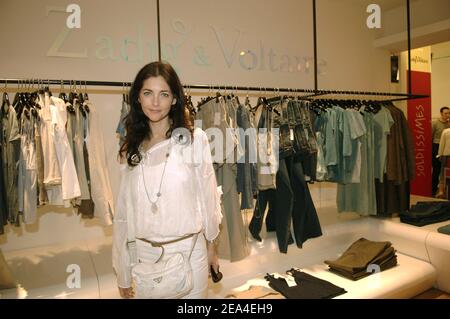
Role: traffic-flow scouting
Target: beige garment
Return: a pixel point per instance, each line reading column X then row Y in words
column 267, row 143
column 436, row 130
column 232, row 240
column 444, row 145
column 101, row 190
column 256, row 292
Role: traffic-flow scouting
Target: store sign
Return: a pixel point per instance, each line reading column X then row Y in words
column 136, row 48
column 419, row 118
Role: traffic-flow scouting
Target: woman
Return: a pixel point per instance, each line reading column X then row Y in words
column 168, row 181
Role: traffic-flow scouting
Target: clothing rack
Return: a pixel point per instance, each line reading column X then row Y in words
column 30, row 83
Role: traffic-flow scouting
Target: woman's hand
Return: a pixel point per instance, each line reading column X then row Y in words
column 126, row 293
column 213, row 259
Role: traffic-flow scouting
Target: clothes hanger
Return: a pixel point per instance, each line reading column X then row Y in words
column 72, row 94
column 86, row 96
column 69, row 100
column 62, row 95
column 236, row 95
column 80, row 96
column 124, row 98
column 80, row 100
column 17, row 96
column 218, row 95
column 47, row 88
column 33, row 104
column 247, row 99
column 5, row 99
column 83, row 99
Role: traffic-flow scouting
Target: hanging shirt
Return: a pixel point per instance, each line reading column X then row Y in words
column 189, row 201
column 360, row 197
column 79, row 135
column 11, row 154
column 28, row 170
column 69, row 178
column 52, row 174
column 357, row 130
column 382, row 126
column 331, row 144
column 101, row 191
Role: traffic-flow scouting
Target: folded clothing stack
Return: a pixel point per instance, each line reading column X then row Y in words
column 304, row 287
column 444, row 229
column 362, row 258
column 425, row 213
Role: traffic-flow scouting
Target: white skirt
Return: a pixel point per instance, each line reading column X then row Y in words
column 199, row 261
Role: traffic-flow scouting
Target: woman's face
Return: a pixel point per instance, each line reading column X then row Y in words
column 156, row 98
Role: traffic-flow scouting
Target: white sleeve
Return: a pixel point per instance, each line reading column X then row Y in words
column 120, row 256
column 209, row 193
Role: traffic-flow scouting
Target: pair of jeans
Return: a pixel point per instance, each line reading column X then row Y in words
column 283, row 123
column 292, row 206
column 265, row 198
column 246, row 168
column 306, row 142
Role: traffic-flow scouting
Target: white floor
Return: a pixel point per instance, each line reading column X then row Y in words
column 47, row 271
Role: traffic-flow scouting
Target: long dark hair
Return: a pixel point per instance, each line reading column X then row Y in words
column 136, row 122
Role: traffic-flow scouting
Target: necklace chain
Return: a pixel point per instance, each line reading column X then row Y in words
column 158, row 194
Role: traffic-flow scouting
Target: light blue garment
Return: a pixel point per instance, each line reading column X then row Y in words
column 331, row 157
column 382, row 126
column 354, row 129
column 120, row 130
column 361, row 197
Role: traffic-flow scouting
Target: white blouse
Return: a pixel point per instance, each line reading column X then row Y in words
column 189, row 201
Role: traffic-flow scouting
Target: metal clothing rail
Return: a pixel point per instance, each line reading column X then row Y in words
column 29, row 83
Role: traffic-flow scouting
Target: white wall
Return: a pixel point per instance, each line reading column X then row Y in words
column 430, row 24
column 440, row 77
column 202, row 38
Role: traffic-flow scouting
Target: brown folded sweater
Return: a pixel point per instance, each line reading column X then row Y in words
column 359, row 255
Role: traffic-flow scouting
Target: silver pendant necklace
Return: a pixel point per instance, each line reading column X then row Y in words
column 154, row 201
